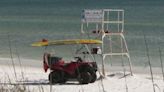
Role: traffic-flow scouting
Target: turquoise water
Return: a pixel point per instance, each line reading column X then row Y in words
column 27, row 21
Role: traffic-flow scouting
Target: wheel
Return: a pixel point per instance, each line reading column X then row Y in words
column 84, row 78
column 54, row 77
column 94, row 76
column 57, row 77
column 92, row 73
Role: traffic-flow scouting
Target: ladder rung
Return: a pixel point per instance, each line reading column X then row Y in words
column 116, row 54
column 113, row 22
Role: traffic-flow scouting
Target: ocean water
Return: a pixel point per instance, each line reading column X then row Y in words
column 23, row 22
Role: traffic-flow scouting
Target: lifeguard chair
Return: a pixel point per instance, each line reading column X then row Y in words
column 107, row 24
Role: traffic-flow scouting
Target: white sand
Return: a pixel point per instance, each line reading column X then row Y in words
column 35, row 80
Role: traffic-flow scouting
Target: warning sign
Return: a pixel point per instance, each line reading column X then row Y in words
column 92, row 16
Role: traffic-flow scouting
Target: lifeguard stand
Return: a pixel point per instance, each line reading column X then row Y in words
column 107, row 25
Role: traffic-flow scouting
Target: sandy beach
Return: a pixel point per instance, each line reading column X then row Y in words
column 33, row 79
column 130, row 30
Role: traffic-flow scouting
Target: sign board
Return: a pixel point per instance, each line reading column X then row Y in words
column 92, row 16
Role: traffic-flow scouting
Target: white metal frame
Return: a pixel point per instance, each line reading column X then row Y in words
column 106, row 22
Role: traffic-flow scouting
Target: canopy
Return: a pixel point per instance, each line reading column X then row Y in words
column 66, row 42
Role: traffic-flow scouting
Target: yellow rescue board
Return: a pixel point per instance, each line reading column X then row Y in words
column 66, row 42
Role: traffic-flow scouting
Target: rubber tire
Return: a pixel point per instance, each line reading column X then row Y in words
column 55, row 77
column 84, row 78
column 93, row 76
